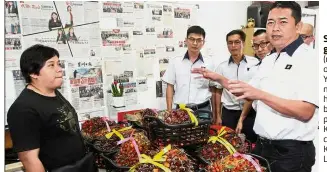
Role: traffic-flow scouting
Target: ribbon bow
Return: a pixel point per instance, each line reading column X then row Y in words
column 189, row 112
column 157, row 158
column 249, row 158
column 134, row 143
column 109, row 135
column 221, row 140
column 105, row 121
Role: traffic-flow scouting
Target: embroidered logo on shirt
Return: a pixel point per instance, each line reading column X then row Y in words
column 288, row 67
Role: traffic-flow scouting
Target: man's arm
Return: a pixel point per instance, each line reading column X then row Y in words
column 246, row 109
column 31, row 161
column 169, row 96
column 218, row 106
column 293, row 108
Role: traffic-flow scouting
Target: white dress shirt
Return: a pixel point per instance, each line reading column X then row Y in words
column 243, row 71
column 292, row 75
column 189, row 87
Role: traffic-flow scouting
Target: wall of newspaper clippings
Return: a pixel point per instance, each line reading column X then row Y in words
column 99, row 42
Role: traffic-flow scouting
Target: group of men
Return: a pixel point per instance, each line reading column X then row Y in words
column 270, row 97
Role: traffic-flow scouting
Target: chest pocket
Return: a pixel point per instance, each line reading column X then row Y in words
column 182, row 77
column 202, row 83
column 283, row 82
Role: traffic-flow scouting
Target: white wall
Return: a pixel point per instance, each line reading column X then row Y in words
column 218, row 18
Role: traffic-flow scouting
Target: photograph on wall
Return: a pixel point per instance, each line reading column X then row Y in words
column 12, row 24
column 74, row 13
column 13, row 44
column 84, row 72
column 149, row 52
column 19, row 81
column 159, row 91
column 117, row 9
column 142, row 84
column 130, row 93
column 138, row 5
column 163, row 65
column 115, row 37
column 165, row 33
column 88, row 114
column 182, row 13
column 39, row 16
column 56, row 39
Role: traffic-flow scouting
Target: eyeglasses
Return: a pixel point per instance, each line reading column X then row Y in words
column 237, row 42
column 193, row 40
column 262, row 45
column 305, row 36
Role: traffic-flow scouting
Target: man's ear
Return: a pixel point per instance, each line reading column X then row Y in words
column 298, row 27
column 34, row 76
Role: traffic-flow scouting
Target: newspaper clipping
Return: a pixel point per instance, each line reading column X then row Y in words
column 130, row 93
column 117, row 9
column 113, row 43
column 19, row 81
column 56, row 39
column 163, row 64
column 142, row 84
column 86, row 80
column 88, row 114
column 182, row 13
column 84, row 73
column 12, row 25
column 39, row 16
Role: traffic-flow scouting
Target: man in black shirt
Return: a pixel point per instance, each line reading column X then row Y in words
column 42, row 123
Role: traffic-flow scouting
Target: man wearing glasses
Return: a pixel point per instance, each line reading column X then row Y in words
column 307, row 33
column 261, row 45
column 288, row 104
column 237, row 67
column 184, row 87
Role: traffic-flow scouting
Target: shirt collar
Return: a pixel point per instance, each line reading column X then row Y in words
column 290, row 49
column 231, row 59
column 200, row 57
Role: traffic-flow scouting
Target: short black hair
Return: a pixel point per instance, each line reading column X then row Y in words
column 196, row 30
column 292, row 5
column 33, row 59
column 236, row 32
column 259, row 32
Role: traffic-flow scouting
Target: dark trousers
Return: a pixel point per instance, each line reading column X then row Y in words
column 287, row 155
column 230, row 119
column 195, row 108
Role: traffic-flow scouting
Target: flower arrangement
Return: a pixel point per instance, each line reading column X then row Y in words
column 117, row 89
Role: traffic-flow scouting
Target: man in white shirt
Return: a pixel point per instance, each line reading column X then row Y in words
column 183, row 87
column 237, row 67
column 307, row 33
column 286, row 88
column 262, row 48
column 261, row 44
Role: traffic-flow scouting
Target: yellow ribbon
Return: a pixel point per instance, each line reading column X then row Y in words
column 221, row 140
column 189, row 112
column 109, row 135
column 158, row 157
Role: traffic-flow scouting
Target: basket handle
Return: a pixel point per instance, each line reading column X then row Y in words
column 263, row 159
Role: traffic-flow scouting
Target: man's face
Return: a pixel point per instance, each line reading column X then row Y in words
column 50, row 75
column 235, row 45
column 261, row 45
column 194, row 42
column 307, row 34
column 281, row 27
